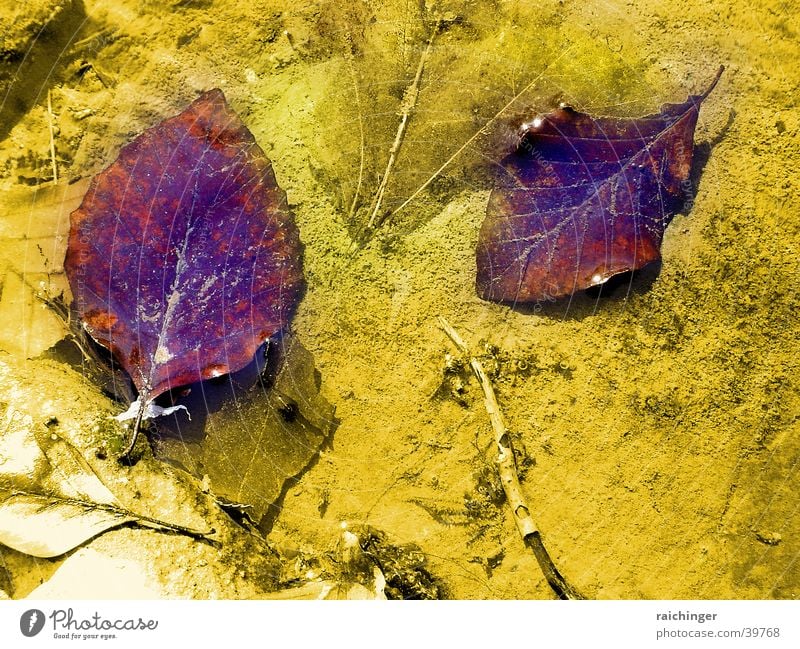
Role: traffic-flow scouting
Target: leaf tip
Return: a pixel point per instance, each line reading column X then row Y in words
column 713, row 83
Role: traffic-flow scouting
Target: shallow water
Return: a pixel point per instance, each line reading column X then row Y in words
column 655, row 427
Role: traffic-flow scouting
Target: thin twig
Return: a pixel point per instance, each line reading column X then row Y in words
column 52, row 136
column 507, row 468
column 409, row 103
column 98, row 35
column 478, row 133
column 354, row 204
column 116, row 510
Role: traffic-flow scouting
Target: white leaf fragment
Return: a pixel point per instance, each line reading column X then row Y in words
column 151, row 411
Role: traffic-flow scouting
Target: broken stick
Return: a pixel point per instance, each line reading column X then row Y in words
column 507, row 468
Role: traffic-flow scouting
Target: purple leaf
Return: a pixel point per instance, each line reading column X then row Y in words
column 583, row 199
column 184, row 257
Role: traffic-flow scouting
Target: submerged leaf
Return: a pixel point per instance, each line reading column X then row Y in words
column 51, row 500
column 183, row 257
column 583, row 199
column 249, row 441
column 70, row 477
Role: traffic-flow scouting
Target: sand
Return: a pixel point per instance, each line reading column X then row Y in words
column 656, row 428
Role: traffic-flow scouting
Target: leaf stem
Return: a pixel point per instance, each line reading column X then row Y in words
column 137, row 423
column 713, row 83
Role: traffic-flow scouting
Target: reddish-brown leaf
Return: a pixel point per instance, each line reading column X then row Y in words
column 584, row 198
column 184, row 257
